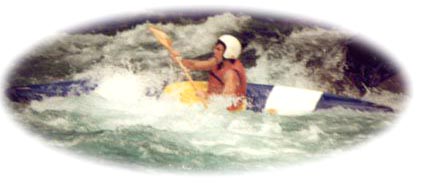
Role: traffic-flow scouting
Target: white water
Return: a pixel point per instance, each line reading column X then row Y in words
column 119, row 122
column 195, row 137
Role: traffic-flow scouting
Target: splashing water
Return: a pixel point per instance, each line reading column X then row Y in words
column 120, row 123
column 162, row 133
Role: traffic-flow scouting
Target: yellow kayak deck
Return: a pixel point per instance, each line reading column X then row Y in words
column 185, row 91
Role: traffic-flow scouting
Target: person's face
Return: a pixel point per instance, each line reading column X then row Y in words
column 218, row 51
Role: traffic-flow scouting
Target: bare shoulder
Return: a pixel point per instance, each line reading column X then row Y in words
column 230, row 75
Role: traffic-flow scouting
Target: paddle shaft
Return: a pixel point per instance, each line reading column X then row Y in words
column 187, row 74
column 184, row 68
column 165, row 40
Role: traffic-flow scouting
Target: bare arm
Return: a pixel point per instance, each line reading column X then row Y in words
column 201, row 65
column 232, row 82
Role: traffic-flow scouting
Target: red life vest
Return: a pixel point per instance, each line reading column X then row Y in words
column 216, row 84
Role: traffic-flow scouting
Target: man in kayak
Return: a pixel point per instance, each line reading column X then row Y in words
column 227, row 75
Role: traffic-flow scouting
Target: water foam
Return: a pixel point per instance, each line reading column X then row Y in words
column 162, row 131
column 285, row 63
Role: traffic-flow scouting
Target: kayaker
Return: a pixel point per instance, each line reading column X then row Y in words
column 227, row 75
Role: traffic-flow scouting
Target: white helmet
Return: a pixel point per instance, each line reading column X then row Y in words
column 232, row 46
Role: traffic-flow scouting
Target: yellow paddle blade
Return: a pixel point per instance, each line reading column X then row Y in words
column 185, row 92
column 165, row 40
column 161, row 36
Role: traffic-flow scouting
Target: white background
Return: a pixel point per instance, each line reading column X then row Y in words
column 391, row 158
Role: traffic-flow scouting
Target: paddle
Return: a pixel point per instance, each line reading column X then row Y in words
column 166, row 41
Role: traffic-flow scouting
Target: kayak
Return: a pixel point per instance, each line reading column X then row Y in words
column 24, row 94
column 275, row 99
column 281, row 100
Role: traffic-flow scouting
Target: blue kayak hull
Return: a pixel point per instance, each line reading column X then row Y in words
column 38, row 92
column 260, row 98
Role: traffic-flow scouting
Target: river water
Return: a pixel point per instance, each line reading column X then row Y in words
column 119, row 123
